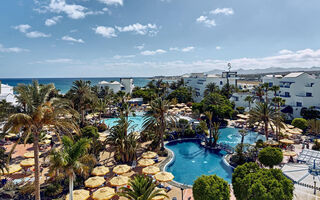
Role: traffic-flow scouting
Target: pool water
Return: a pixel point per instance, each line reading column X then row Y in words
column 136, row 122
column 191, row 160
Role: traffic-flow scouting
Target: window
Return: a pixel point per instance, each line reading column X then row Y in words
column 299, row 104
column 308, row 94
column 287, row 94
column 221, row 83
column 270, row 84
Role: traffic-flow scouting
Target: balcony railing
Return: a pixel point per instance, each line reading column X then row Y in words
column 285, row 96
column 298, row 95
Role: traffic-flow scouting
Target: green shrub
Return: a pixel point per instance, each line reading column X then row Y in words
column 189, row 133
column 102, row 127
column 210, row 188
column 90, row 132
column 270, row 156
column 300, row 123
column 53, row 189
column 251, row 183
column 240, row 109
column 316, row 146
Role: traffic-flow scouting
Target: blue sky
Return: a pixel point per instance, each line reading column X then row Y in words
column 107, row 38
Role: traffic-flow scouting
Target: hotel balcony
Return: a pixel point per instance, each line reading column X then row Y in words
column 285, row 96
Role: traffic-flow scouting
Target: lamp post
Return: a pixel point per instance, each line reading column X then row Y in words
column 182, row 193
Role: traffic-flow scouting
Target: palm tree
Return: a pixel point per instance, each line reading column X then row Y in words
column 215, row 133
column 158, row 117
column 71, row 159
column 263, row 112
column 80, row 93
column 275, row 89
column 141, row 188
column 243, row 133
column 211, row 88
column 209, row 116
column 6, row 109
column 249, row 99
column 101, row 106
column 47, row 114
column 266, row 88
column 3, row 160
column 259, row 92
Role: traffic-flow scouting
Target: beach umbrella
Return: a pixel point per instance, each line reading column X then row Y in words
column 149, row 154
column 79, row 195
column 121, row 169
column 295, row 132
column 179, row 105
column 119, row 180
column 290, row 126
column 12, row 169
column 100, row 171
column 30, row 154
column 160, row 197
column 272, row 143
column 145, row 162
column 10, row 135
column 171, row 106
column 175, row 109
column 104, row 193
column 287, row 141
column 151, row 170
column 240, row 120
column 47, row 137
column 189, row 110
column 164, row 176
column 298, row 130
column 45, row 142
column 289, row 153
column 27, row 163
column 94, row 182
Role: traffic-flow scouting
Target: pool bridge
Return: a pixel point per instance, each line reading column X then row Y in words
column 222, row 146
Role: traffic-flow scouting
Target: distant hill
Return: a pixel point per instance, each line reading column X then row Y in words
column 267, row 70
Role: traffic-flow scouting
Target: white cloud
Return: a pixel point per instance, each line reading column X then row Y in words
column 112, row 2
column 140, row 29
column 224, row 11
column 71, row 39
column 125, row 56
column 73, row 11
column 285, row 51
column 185, row 49
column 53, row 21
column 107, row 32
column 37, row 34
column 22, row 27
column 218, row 47
column 206, row 21
column 140, row 47
column 151, row 53
column 55, row 61
column 12, row 49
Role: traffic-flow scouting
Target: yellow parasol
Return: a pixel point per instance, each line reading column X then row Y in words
column 27, row 163
column 30, row 154
column 290, row 126
column 164, row 176
column 94, row 182
column 47, row 137
column 119, row 180
column 145, row 162
column 100, row 171
column 104, row 193
column 163, row 196
column 10, row 135
column 151, row 170
column 272, row 143
column 45, row 142
column 80, row 195
column 12, row 169
column 287, row 141
column 149, row 154
column 289, row 153
column 295, row 132
column 121, row 169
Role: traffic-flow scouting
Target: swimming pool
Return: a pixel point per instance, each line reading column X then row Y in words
column 191, row 160
column 137, row 122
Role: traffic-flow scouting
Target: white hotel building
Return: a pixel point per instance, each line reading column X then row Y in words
column 6, row 93
column 199, row 81
column 125, row 85
column 298, row 89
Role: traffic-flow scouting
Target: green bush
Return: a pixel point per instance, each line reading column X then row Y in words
column 102, row 127
column 210, row 188
column 316, row 146
column 90, row 132
column 189, row 133
column 251, row 183
column 53, row 189
column 300, row 123
column 270, row 156
column 240, row 109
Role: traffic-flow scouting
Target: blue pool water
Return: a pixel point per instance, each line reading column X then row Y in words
column 191, row 160
column 136, row 122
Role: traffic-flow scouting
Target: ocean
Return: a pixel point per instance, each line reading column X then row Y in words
column 64, row 84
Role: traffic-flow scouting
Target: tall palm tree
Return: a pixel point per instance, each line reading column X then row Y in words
column 71, row 159
column 209, row 116
column 249, row 99
column 141, row 188
column 6, row 109
column 158, row 116
column 243, row 133
column 263, row 112
column 211, row 88
column 266, row 88
column 275, row 89
column 80, row 94
column 215, row 133
column 259, row 92
column 101, row 106
column 47, row 114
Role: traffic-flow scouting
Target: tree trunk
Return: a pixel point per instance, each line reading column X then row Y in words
column 266, row 129
column 82, row 117
column 71, row 187
column 36, row 165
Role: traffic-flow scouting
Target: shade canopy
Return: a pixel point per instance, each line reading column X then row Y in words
column 104, row 193
column 271, row 143
column 119, row 181
column 80, row 195
column 151, row 170
column 164, row 176
column 30, row 154
column 289, row 153
column 287, row 141
column 149, row 154
column 145, row 162
column 100, row 171
column 121, row 169
column 12, row 169
column 27, row 163
column 160, row 197
column 94, row 182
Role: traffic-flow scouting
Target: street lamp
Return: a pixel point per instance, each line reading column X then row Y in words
column 182, row 193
